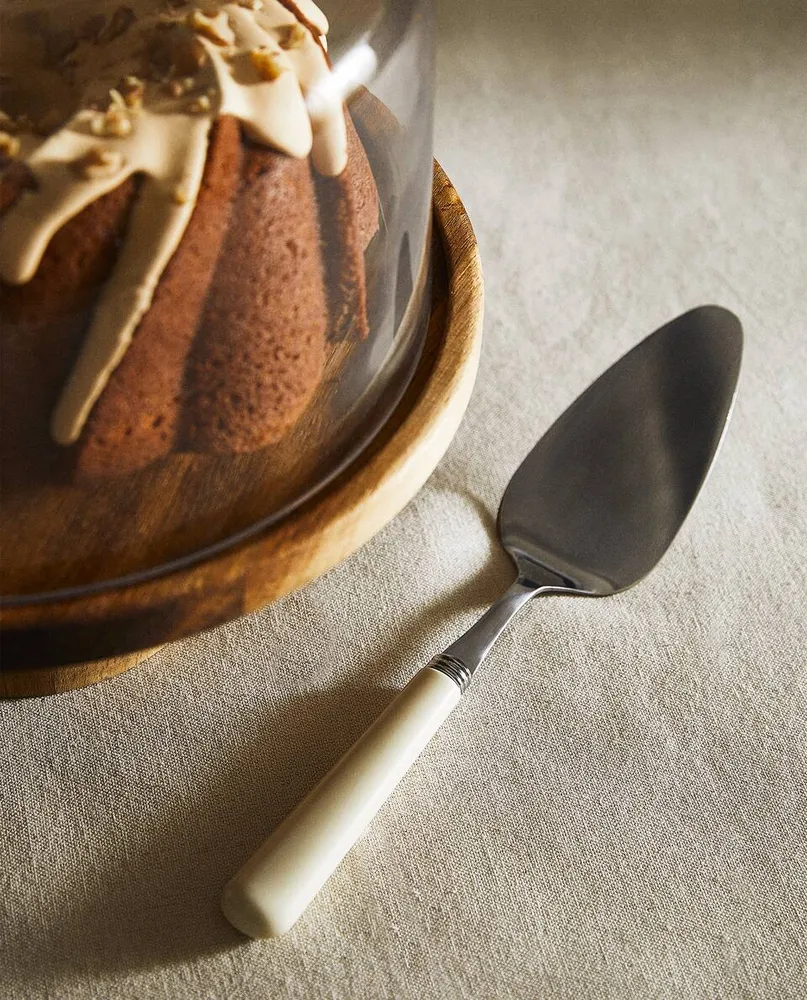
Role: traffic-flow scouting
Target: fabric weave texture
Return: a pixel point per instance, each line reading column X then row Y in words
column 617, row 809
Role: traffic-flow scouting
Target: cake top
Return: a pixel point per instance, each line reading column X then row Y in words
column 90, row 96
column 102, row 66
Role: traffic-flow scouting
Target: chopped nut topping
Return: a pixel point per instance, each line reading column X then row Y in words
column 170, row 19
column 173, row 52
column 114, row 122
column 199, row 105
column 293, row 36
column 268, row 64
column 9, row 148
column 216, row 28
column 175, row 88
column 100, row 163
column 132, row 89
column 180, row 194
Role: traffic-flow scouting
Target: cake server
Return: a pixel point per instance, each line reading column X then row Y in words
column 591, row 510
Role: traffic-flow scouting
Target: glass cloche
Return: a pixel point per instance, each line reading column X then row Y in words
column 214, row 233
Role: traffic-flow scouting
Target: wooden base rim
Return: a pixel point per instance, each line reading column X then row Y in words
column 69, row 644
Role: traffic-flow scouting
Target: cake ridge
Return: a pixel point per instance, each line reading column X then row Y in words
column 256, row 60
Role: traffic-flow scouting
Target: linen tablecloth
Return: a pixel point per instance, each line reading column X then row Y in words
column 617, row 809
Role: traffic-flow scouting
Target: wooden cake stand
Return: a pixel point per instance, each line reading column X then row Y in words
column 64, row 644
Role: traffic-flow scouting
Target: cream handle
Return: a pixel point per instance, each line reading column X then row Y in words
column 278, row 882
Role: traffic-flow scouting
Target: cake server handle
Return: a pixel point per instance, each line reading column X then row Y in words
column 278, row 882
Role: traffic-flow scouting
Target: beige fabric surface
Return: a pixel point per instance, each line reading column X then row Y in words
column 617, row 809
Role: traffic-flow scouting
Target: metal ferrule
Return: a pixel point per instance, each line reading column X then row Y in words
column 453, row 668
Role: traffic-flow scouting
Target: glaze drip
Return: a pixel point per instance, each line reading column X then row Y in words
column 255, row 62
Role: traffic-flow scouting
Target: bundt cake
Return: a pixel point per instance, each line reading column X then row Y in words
column 184, row 212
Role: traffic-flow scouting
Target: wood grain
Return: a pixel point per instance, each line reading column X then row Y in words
column 50, row 647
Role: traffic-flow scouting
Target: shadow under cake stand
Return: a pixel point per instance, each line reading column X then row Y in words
column 98, row 635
